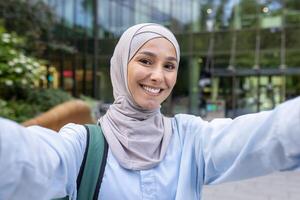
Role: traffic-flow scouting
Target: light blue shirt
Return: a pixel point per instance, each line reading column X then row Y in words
column 37, row 163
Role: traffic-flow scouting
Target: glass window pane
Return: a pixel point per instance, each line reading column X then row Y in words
column 223, row 41
column 292, row 17
column 221, row 59
column 270, row 39
column 246, row 40
column 292, row 45
column 244, row 59
column 201, row 42
column 248, row 13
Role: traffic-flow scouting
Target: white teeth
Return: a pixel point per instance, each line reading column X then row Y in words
column 152, row 90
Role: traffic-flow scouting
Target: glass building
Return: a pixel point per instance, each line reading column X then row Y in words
column 237, row 56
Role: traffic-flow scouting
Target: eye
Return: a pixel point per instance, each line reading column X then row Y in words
column 170, row 66
column 145, row 61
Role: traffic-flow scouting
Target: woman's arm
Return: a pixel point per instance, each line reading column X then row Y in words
column 38, row 163
column 250, row 145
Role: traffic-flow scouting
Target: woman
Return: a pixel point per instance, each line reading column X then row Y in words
column 150, row 156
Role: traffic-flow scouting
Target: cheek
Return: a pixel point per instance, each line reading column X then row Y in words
column 171, row 80
column 141, row 73
column 137, row 74
column 132, row 78
column 131, row 84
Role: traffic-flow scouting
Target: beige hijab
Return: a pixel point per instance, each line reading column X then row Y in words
column 138, row 138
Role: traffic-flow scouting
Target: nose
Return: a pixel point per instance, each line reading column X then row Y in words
column 157, row 74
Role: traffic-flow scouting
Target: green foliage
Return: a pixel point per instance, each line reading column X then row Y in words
column 20, row 78
column 35, row 102
column 32, row 19
column 17, row 70
column 47, row 98
column 38, row 23
column 17, row 110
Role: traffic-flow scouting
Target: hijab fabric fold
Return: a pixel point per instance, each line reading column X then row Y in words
column 138, row 138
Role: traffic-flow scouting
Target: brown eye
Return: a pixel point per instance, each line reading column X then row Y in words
column 170, row 66
column 145, row 61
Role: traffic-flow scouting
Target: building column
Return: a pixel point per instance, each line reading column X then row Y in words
column 194, row 74
column 95, row 91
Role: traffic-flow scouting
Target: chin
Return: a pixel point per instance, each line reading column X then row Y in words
column 149, row 106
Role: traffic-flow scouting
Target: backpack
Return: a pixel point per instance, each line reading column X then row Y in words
column 91, row 171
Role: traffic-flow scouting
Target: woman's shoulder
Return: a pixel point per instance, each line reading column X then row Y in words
column 187, row 120
column 184, row 124
column 73, row 130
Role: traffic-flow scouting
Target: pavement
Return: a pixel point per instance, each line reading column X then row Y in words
column 278, row 186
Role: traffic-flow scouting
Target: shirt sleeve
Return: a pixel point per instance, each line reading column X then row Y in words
column 250, row 145
column 38, row 163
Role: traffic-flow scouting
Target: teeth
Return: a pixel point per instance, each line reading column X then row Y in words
column 152, row 90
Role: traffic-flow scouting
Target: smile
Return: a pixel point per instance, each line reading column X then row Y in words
column 151, row 90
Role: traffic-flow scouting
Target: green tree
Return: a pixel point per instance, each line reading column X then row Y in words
column 38, row 23
column 32, row 19
column 17, row 70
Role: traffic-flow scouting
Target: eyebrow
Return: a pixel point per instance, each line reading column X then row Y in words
column 148, row 53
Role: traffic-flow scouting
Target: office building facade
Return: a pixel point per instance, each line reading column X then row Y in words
column 237, row 56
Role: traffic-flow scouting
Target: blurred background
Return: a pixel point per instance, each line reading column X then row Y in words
column 237, row 56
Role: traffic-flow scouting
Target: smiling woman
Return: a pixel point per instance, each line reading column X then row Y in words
column 150, row 156
column 152, row 73
column 143, row 73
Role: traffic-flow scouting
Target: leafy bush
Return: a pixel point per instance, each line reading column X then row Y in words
column 47, row 98
column 17, row 110
column 35, row 102
column 20, row 78
column 17, row 71
column 39, row 24
column 31, row 19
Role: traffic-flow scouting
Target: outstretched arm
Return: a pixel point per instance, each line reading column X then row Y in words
column 252, row 145
column 38, row 163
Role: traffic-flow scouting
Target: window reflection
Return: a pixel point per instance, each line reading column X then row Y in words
column 227, row 35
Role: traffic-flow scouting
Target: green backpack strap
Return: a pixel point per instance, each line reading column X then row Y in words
column 93, row 164
column 93, row 168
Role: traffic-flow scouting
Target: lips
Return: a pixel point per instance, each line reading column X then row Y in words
column 151, row 90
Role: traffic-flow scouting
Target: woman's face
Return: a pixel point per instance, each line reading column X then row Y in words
column 152, row 73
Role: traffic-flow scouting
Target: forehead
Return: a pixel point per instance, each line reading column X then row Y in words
column 160, row 46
